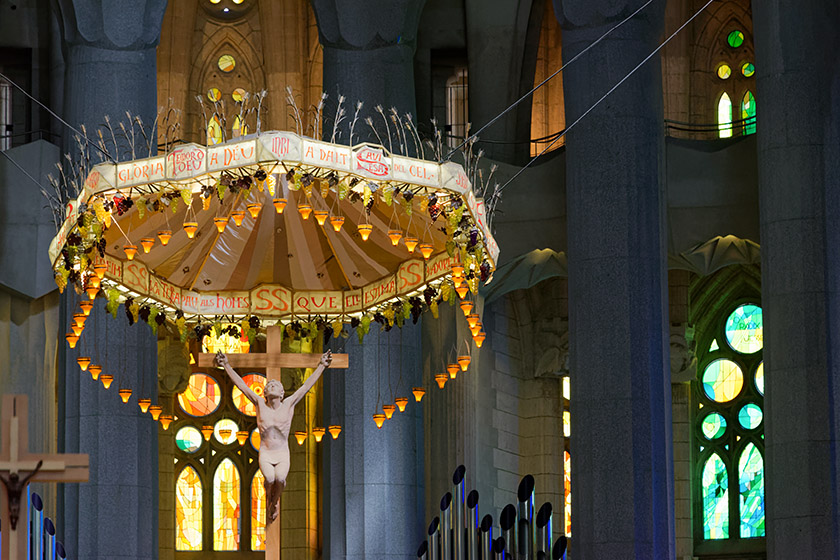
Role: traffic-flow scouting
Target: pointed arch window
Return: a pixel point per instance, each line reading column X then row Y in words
column 258, row 512
column 724, row 116
column 214, row 131
column 188, row 526
column 748, row 113
column 226, row 506
column 728, row 432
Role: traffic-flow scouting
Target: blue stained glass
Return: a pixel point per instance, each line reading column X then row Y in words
column 750, row 416
column 751, row 482
column 715, row 499
column 745, row 328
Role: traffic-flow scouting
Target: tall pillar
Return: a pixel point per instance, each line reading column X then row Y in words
column 798, row 83
column 373, row 478
column 109, row 50
column 368, row 57
column 622, row 473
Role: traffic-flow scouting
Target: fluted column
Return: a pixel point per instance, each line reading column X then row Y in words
column 109, row 50
column 799, row 169
column 368, row 57
column 621, row 397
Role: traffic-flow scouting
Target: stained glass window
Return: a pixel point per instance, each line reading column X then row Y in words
column 724, row 114
column 226, row 343
column 213, row 94
column 745, row 329
column 225, row 431
column 724, row 71
column 201, row 397
column 715, row 499
column 748, row 69
column 735, row 39
column 226, row 508
column 567, row 489
column 238, row 95
column 748, row 112
column 188, row 439
column 255, row 439
column 239, row 127
column 258, row 512
column 723, row 380
column 714, row 426
column 256, row 383
column 188, row 510
column 729, row 426
column 751, row 487
column 227, row 63
column 750, row 416
column 214, row 131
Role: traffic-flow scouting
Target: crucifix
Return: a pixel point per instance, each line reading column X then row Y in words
column 19, row 467
column 272, row 361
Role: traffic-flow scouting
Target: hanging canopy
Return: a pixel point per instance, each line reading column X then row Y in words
column 279, row 262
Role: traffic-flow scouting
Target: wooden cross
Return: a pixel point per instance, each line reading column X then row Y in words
column 19, row 463
column 272, row 361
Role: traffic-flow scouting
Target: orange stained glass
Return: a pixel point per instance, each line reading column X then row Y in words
column 226, row 508
column 226, row 343
column 567, row 488
column 255, row 439
column 258, row 512
column 202, row 395
column 188, row 510
column 257, row 383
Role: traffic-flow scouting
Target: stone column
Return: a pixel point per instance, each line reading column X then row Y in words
column 799, row 167
column 109, row 50
column 368, row 57
column 373, row 489
column 622, row 476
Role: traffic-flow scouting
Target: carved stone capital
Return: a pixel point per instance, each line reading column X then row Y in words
column 683, row 355
column 118, row 25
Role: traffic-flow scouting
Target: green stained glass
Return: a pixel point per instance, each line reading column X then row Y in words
column 226, row 507
column 759, row 378
column 735, row 39
column 751, row 487
column 713, row 426
column 745, row 326
column 202, row 395
column 750, row 416
column 724, row 71
column 748, row 69
column 722, row 380
column 748, row 113
column 714, row 346
column 724, row 113
column 715, row 499
column 188, row 439
column 188, row 510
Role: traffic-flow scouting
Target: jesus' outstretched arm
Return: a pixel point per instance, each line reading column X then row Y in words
column 326, row 360
column 222, row 362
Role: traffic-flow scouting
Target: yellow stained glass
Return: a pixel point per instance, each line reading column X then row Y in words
column 226, row 508
column 567, row 488
column 239, row 127
column 202, row 395
column 723, row 380
column 256, row 382
column 213, row 94
column 214, row 131
column 255, row 439
column 759, row 378
column 258, row 512
column 226, row 343
column 567, row 423
column 239, row 94
column 225, row 431
column 227, row 63
column 188, row 510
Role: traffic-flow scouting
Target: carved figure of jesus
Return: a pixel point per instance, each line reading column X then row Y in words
column 274, row 420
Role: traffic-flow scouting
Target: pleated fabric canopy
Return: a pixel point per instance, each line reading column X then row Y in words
column 276, row 226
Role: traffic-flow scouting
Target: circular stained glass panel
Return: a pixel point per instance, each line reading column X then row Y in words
column 238, row 94
column 202, row 395
column 724, row 71
column 735, row 39
column 188, row 439
column 750, row 416
column 713, row 426
column 213, row 94
column 759, row 378
column 227, row 63
column 748, row 69
column 255, row 439
column 745, row 329
column 257, row 384
column 723, row 380
column 225, row 431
